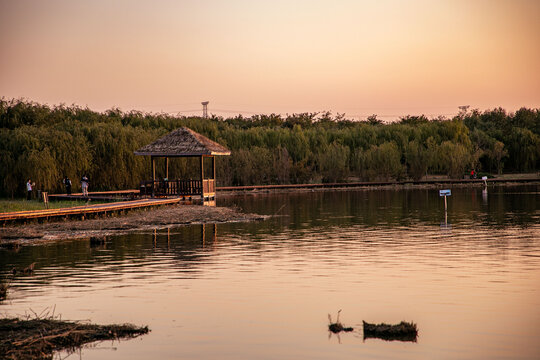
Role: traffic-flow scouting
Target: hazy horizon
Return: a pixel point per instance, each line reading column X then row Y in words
column 390, row 58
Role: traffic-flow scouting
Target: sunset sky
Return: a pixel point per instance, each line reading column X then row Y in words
column 384, row 57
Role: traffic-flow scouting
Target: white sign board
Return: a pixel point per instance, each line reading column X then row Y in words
column 445, row 192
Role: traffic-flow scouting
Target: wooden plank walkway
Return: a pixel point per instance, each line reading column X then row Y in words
column 130, row 194
column 373, row 184
column 99, row 195
column 84, row 210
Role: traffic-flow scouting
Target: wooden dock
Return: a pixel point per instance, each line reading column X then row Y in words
column 446, row 182
column 99, row 195
column 84, row 211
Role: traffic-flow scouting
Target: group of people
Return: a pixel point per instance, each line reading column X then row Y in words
column 85, row 181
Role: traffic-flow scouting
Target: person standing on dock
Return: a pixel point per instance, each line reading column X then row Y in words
column 67, row 183
column 29, row 190
column 84, row 184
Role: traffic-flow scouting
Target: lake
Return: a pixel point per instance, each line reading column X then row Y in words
column 470, row 279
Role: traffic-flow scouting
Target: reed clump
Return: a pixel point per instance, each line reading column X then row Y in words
column 4, row 286
column 29, row 270
column 337, row 327
column 404, row 331
column 39, row 338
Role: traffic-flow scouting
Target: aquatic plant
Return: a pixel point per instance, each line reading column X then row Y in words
column 404, row 331
column 38, row 336
column 4, row 285
column 29, row 270
column 337, row 327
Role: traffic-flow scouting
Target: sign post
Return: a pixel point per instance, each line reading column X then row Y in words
column 445, row 193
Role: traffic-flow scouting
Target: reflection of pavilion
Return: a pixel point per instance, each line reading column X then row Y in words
column 182, row 142
column 206, row 232
column 208, row 235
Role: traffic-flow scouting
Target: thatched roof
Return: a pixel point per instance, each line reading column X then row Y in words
column 183, row 142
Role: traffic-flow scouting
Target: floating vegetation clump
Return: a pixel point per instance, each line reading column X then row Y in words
column 337, row 327
column 29, row 270
column 4, row 285
column 39, row 338
column 404, row 331
column 98, row 240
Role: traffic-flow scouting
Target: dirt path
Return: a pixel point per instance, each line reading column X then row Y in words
column 163, row 217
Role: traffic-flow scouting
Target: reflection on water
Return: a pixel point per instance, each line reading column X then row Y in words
column 263, row 290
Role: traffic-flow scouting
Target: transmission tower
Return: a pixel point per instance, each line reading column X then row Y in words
column 205, row 109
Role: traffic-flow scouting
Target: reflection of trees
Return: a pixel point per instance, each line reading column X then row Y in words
column 185, row 245
column 337, row 213
column 304, row 210
column 512, row 206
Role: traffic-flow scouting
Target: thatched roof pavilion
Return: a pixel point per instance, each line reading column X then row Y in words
column 183, row 142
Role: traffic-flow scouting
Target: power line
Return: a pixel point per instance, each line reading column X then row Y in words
column 357, row 116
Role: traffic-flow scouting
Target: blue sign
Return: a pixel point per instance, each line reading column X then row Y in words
column 445, row 192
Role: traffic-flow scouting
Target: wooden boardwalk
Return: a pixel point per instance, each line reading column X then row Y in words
column 83, row 211
column 373, row 184
column 99, row 195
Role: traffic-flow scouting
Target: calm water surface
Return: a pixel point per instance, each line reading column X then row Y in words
column 263, row 290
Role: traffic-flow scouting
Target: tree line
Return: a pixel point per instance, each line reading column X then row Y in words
column 45, row 143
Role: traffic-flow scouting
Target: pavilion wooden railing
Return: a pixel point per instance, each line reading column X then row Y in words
column 177, row 187
column 171, row 187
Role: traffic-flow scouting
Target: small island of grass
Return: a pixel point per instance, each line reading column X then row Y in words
column 39, row 338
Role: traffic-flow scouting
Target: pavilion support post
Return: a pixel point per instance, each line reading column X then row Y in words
column 212, row 186
column 167, row 168
column 202, row 178
column 153, row 174
column 153, row 168
column 214, row 168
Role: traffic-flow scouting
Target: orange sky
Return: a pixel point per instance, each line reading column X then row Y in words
column 385, row 57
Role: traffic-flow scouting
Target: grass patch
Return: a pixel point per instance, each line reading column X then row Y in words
column 25, row 205
column 404, row 331
column 337, row 327
column 39, row 338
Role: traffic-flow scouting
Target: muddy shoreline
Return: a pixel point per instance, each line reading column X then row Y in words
column 134, row 221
